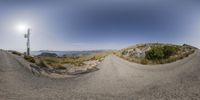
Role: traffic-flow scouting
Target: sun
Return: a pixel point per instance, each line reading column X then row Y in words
column 21, row 28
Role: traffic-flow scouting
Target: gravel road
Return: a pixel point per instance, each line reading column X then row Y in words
column 117, row 79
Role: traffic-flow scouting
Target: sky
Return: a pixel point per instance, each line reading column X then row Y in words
column 98, row 24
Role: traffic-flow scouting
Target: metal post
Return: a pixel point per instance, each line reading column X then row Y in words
column 28, row 41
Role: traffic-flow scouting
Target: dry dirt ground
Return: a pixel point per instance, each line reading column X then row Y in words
column 117, row 79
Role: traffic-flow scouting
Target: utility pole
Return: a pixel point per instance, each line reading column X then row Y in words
column 27, row 35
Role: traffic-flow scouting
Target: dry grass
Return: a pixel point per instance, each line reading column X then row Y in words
column 57, row 62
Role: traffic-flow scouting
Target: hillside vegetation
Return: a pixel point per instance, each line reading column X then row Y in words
column 156, row 53
column 77, row 61
column 15, row 52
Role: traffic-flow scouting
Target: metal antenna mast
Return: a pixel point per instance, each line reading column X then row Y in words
column 28, row 41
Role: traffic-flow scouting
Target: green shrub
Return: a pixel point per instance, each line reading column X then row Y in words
column 169, row 51
column 161, row 52
column 155, row 53
column 29, row 59
column 124, row 52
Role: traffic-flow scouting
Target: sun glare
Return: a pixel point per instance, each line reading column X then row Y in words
column 21, row 28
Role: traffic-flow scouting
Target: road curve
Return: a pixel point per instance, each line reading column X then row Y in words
column 117, row 79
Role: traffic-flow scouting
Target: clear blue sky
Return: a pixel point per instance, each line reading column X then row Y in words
column 98, row 24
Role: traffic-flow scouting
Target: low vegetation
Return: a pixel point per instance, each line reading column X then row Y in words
column 156, row 53
column 16, row 53
column 161, row 52
column 58, row 62
column 29, row 59
column 45, row 64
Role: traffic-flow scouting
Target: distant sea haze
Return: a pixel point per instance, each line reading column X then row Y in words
column 67, row 53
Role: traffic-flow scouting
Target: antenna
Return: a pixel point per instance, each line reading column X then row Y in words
column 28, row 41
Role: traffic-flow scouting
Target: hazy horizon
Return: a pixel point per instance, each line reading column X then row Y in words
column 98, row 25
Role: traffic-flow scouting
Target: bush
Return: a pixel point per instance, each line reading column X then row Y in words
column 155, row 53
column 29, row 59
column 124, row 52
column 16, row 53
column 169, row 51
column 161, row 52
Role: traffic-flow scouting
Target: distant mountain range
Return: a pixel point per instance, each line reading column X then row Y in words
column 67, row 53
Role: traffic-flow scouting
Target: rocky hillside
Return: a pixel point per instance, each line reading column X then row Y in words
column 156, row 53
